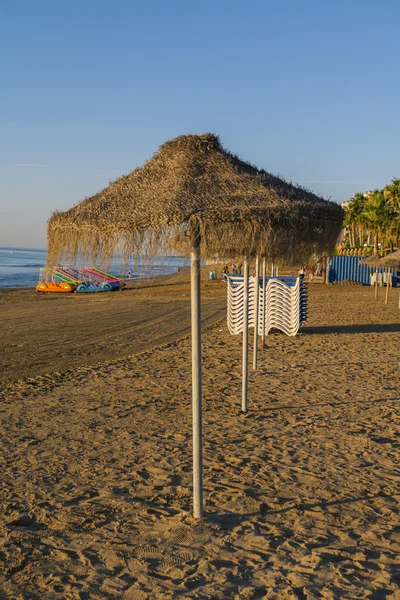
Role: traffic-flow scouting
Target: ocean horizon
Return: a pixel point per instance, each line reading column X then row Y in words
column 20, row 267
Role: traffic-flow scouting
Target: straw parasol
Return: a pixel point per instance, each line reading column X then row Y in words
column 194, row 193
column 372, row 261
column 391, row 261
column 236, row 206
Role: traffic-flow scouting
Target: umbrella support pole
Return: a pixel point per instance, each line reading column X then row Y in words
column 196, row 377
column 245, row 366
column 376, row 283
column 387, row 286
column 264, row 280
column 256, row 311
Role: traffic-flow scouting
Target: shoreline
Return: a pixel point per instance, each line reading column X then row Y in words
column 128, row 282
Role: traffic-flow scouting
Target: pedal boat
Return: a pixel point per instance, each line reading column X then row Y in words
column 55, row 287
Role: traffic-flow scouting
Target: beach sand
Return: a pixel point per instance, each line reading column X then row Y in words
column 301, row 494
column 53, row 332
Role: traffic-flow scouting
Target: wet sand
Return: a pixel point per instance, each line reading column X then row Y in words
column 301, row 494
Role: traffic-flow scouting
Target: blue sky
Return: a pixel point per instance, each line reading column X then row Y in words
column 308, row 89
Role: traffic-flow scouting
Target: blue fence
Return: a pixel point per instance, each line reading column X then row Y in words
column 347, row 268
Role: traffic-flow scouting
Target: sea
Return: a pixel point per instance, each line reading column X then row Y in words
column 20, row 267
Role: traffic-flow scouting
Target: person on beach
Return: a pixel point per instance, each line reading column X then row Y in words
column 302, row 272
column 129, row 274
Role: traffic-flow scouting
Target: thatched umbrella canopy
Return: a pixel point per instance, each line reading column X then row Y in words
column 194, row 192
column 391, row 260
column 372, row 261
column 193, row 179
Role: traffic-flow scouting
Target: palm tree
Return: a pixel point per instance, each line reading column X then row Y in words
column 392, row 195
column 354, row 218
column 360, row 201
column 376, row 215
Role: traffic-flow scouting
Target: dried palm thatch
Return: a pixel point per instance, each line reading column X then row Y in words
column 192, row 181
column 372, row 261
column 391, row 260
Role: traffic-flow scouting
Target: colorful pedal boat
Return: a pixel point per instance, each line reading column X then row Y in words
column 92, row 288
column 55, row 286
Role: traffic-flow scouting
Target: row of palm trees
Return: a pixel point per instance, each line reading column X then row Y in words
column 374, row 217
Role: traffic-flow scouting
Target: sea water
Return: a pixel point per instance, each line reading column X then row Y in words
column 20, row 267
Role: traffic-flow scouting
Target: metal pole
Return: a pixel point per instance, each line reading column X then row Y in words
column 245, row 334
column 376, row 283
column 256, row 311
column 264, row 277
column 196, row 376
column 387, row 285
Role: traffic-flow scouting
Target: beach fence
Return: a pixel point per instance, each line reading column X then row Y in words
column 282, row 304
column 347, row 268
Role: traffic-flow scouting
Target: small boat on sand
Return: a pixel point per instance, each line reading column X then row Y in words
column 69, row 279
column 88, row 287
column 55, row 287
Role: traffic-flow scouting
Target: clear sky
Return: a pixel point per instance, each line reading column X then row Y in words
column 308, row 89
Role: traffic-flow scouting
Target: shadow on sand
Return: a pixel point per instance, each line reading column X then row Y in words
column 370, row 328
column 232, row 520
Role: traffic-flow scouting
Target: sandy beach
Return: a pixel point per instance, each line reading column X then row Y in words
column 301, row 494
column 42, row 332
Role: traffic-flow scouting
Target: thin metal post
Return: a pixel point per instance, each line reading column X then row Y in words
column 264, row 315
column 256, row 311
column 245, row 366
column 387, row 285
column 196, row 376
column 376, row 283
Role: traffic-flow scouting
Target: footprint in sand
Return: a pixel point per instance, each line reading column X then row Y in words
column 148, row 552
column 179, row 557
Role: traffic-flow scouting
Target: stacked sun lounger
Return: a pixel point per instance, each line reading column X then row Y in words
column 282, row 305
column 236, row 303
column 285, row 306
